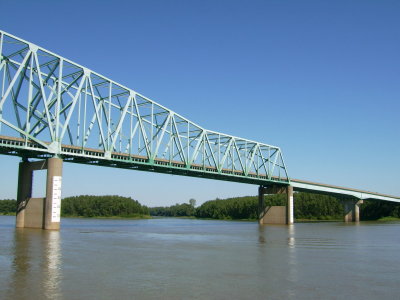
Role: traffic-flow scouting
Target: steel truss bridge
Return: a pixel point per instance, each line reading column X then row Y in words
column 51, row 106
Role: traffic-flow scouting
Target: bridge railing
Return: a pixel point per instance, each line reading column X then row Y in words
column 52, row 105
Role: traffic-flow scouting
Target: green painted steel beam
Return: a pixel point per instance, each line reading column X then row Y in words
column 306, row 186
column 50, row 105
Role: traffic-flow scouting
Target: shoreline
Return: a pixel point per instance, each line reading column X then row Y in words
column 147, row 217
column 140, row 217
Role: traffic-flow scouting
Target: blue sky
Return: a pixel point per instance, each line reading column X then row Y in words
column 320, row 79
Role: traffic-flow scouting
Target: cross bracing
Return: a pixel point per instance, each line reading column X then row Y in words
column 51, row 106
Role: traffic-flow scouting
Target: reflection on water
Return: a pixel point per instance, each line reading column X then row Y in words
column 199, row 259
column 36, row 265
column 292, row 262
column 53, row 261
column 291, row 239
column 261, row 234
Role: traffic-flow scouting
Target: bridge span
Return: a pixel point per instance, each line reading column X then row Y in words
column 54, row 110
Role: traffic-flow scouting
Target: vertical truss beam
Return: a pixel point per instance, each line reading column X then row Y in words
column 45, row 98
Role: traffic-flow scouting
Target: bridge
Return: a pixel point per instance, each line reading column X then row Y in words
column 53, row 110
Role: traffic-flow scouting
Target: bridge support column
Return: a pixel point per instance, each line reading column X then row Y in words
column 24, row 193
column 289, row 205
column 261, row 204
column 352, row 210
column 275, row 214
column 41, row 213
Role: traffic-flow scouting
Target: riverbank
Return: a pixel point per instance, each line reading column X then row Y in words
column 132, row 217
column 147, row 217
column 8, row 214
column 387, row 219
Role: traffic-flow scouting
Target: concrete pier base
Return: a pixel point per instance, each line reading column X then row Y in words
column 45, row 212
column 275, row 214
column 289, row 206
column 352, row 210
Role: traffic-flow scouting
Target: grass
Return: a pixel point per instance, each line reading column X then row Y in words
column 131, row 217
column 316, row 220
column 387, row 219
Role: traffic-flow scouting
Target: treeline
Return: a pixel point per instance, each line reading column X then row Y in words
column 317, row 207
column 177, row 210
column 90, row 206
column 374, row 210
column 8, row 207
column 232, row 208
column 102, row 206
column 307, row 206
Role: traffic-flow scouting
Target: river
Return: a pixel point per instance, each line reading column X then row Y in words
column 199, row 259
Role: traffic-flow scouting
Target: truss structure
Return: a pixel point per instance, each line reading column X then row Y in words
column 51, row 106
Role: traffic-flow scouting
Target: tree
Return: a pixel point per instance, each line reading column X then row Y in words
column 192, row 202
column 8, row 206
column 102, row 206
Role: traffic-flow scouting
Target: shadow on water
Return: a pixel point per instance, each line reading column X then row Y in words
column 36, row 265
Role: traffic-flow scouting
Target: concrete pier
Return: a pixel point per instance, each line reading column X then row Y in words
column 289, row 205
column 275, row 214
column 352, row 210
column 262, row 210
column 45, row 212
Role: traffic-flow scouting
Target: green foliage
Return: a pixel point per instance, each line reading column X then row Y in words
column 307, row 206
column 8, row 207
column 192, row 202
column 232, row 208
column 102, row 206
column 177, row 210
column 374, row 210
column 317, row 207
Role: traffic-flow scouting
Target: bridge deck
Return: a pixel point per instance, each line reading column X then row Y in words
column 305, row 186
column 24, row 148
column 17, row 146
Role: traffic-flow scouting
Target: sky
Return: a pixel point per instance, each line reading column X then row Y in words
column 320, row 79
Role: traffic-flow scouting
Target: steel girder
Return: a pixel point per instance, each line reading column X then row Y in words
column 51, row 106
